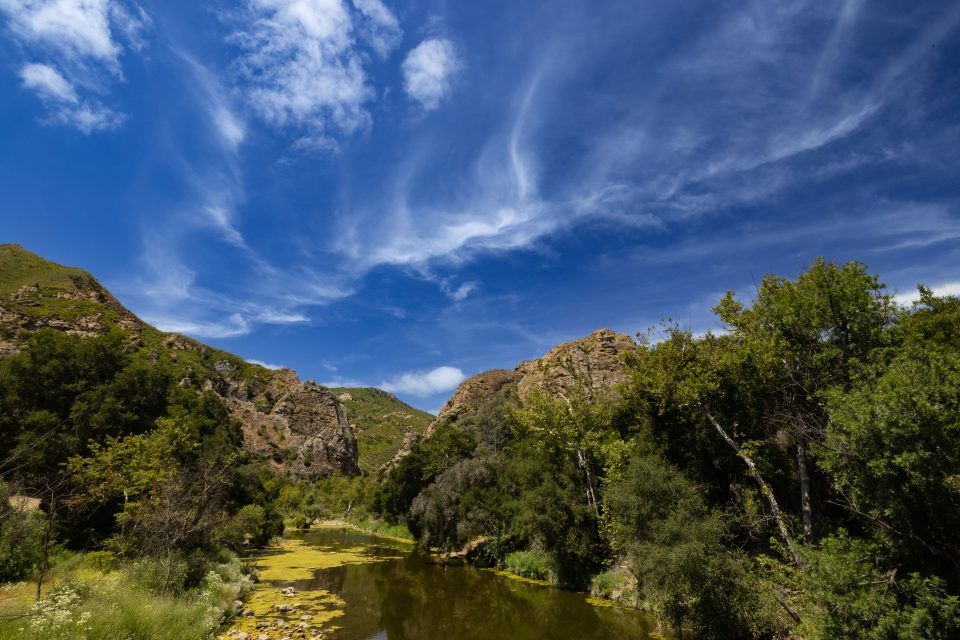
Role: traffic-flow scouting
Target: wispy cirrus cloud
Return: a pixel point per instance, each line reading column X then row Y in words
column 667, row 155
column 79, row 44
column 747, row 108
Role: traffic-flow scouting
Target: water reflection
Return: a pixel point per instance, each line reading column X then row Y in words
column 407, row 598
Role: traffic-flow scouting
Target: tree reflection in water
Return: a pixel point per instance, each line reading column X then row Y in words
column 408, row 598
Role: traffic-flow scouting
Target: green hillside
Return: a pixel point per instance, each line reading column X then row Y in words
column 381, row 420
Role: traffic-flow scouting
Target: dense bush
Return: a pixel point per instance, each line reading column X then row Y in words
column 535, row 564
column 722, row 479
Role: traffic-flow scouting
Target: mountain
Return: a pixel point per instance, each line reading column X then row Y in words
column 300, row 427
column 594, row 363
column 382, row 423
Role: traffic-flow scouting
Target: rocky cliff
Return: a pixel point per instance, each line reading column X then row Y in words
column 301, row 427
column 473, row 392
column 594, row 363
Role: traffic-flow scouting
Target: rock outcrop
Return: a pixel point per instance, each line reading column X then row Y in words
column 300, row 426
column 595, row 361
column 473, row 392
column 305, row 432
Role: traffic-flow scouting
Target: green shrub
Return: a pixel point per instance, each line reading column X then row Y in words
column 20, row 534
column 535, row 564
column 617, row 585
column 103, row 561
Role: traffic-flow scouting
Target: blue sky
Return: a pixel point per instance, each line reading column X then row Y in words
column 403, row 194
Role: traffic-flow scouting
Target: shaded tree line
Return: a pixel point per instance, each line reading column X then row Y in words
column 102, row 449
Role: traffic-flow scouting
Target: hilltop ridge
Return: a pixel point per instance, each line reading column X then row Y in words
column 300, row 427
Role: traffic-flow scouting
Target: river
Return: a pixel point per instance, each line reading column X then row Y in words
column 348, row 585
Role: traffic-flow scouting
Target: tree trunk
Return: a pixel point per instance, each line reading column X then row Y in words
column 45, row 549
column 805, row 491
column 166, row 577
column 764, row 489
column 588, row 480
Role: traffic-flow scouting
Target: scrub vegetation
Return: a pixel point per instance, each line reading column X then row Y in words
column 792, row 476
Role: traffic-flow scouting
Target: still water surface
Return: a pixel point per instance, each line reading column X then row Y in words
column 404, row 597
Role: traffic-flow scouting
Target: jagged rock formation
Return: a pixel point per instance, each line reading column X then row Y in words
column 300, row 426
column 306, row 430
column 473, row 392
column 382, row 423
column 595, row 361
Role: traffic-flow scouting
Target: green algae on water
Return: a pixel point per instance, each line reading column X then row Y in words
column 278, row 609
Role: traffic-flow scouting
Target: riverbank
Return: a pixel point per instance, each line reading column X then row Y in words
column 283, row 603
column 91, row 596
column 396, row 533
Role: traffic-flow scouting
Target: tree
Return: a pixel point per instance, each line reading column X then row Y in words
column 893, row 450
column 694, row 376
column 579, row 426
column 803, row 337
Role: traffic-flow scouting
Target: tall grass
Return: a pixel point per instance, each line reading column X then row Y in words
column 88, row 604
column 535, row 564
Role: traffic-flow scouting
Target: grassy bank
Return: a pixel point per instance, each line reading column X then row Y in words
column 397, row 532
column 89, row 598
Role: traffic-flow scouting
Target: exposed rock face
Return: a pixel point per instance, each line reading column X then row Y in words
column 473, row 392
column 410, row 439
column 595, row 361
column 306, row 431
column 300, row 426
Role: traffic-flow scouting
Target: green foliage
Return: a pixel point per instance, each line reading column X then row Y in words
column 21, row 529
column 854, row 593
column 892, row 450
column 535, row 564
column 820, row 323
column 381, row 422
column 684, row 570
column 126, row 604
column 415, row 471
column 251, row 526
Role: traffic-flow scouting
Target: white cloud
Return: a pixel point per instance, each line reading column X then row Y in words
column 428, row 71
column 75, row 37
column 230, row 128
column 47, row 82
column 261, row 363
column 302, row 68
column 380, row 27
column 62, row 101
column 946, row 289
column 76, row 28
column 424, row 384
column 341, row 382
column 219, row 217
column 231, row 327
column 460, row 293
